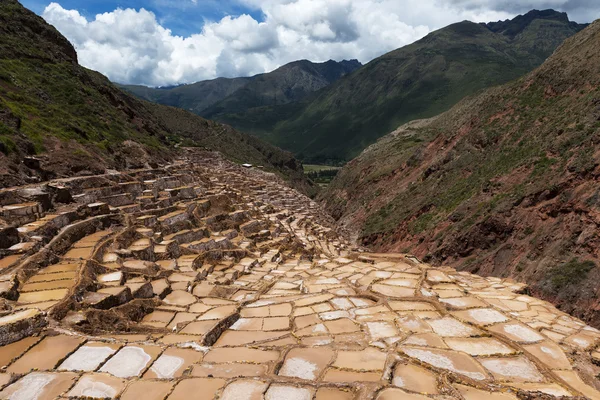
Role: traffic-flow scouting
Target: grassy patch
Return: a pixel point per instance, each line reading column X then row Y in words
column 422, row 223
column 570, row 273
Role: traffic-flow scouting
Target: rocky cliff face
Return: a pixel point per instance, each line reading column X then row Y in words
column 503, row 184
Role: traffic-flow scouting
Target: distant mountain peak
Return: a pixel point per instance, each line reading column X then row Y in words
column 289, row 83
column 512, row 27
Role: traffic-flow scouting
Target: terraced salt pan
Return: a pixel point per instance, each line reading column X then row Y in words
column 548, row 388
column 299, row 368
column 482, row 316
column 415, row 378
column 129, row 361
column 337, row 341
column 463, row 302
column 517, row 332
column 278, row 392
column 87, row 357
column 426, row 340
column 454, row 362
column 381, row 330
column 513, row 369
column 97, row 386
column 244, row 389
column 470, row 393
column 549, row 353
column 306, row 363
column 33, row 386
column 368, row 359
column 166, row 366
column 331, row 315
column 450, row 327
column 479, row 346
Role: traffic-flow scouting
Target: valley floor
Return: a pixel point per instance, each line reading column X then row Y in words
column 209, row 279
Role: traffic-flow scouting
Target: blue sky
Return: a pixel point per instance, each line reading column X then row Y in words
column 169, row 42
column 182, row 17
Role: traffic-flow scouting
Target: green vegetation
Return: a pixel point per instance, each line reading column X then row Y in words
column 249, row 103
column 569, row 274
column 417, row 81
column 82, row 122
column 321, row 174
column 308, row 168
column 50, row 100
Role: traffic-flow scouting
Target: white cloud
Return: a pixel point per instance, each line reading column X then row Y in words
column 131, row 46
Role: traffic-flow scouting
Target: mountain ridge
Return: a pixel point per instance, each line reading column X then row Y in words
column 200, row 96
column 416, row 81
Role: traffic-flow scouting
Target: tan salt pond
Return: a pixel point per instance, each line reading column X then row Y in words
column 512, row 369
column 82, row 253
column 396, row 394
column 470, row 393
column 517, row 332
column 14, row 350
column 479, row 346
column 279, row 392
column 203, row 389
column 198, row 327
column 333, row 394
column 52, row 277
column 368, row 359
column 180, row 298
column 98, row 386
column 426, row 340
column 172, row 363
column 481, row 316
column 415, row 378
column 450, row 327
column 39, row 385
column 241, row 354
column 550, row 354
column 40, row 286
column 131, row 361
column 393, row 291
column 46, row 354
column 229, row 370
column 147, row 390
column 459, row 363
column 244, row 389
column 43, row 296
column 335, row 375
column 240, row 338
column 89, row 357
column 305, row 363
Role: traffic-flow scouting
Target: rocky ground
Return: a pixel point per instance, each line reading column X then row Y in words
column 207, row 279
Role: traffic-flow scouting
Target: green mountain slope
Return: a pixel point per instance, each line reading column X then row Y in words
column 503, row 184
column 76, row 122
column 224, row 98
column 417, row 81
column 194, row 98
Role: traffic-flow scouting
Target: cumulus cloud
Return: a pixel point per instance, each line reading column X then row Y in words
column 131, row 46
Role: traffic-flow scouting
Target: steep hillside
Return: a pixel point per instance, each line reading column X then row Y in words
column 76, row 122
column 417, row 81
column 227, row 100
column 194, row 98
column 503, row 184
